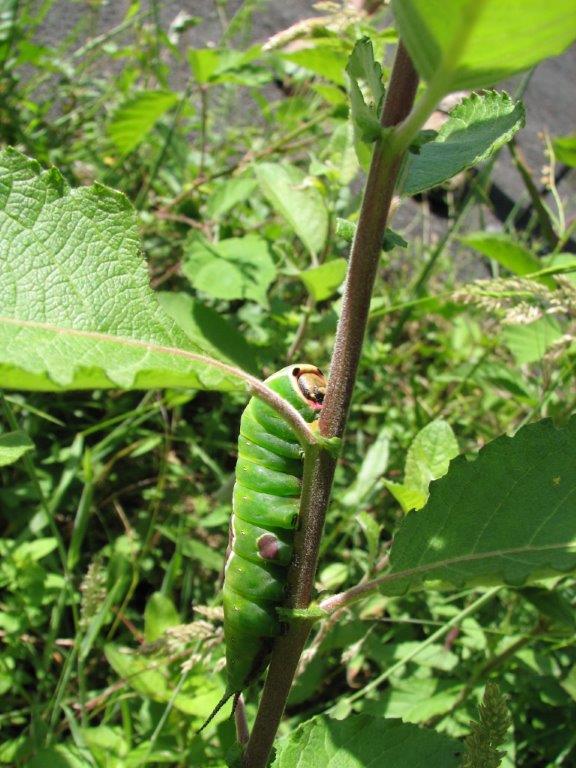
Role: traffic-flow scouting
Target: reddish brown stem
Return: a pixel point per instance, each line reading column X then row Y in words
column 319, row 464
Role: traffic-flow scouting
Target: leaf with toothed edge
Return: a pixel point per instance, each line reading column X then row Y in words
column 476, row 128
column 76, row 308
column 506, row 517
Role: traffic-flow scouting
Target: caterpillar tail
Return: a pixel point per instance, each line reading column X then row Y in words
column 226, row 697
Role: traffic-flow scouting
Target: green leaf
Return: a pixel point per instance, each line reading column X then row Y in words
column 140, row 673
column 508, row 253
column 529, row 343
column 76, row 309
column 13, row 445
column 323, row 281
column 475, row 129
column 210, row 330
column 408, row 498
column 136, row 117
column 476, row 43
column 210, row 65
column 210, row 558
column 372, row 531
column 362, row 67
column 229, row 195
column 430, row 454
column 552, row 604
column 503, row 518
column 415, row 700
column 324, row 59
column 347, row 229
column 427, row 459
column 371, row 470
column 159, row 615
column 392, row 240
column 362, row 740
column 237, row 268
column 565, row 150
column 60, row 756
column 289, row 192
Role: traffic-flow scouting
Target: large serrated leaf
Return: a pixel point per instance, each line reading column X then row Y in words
column 475, row 129
column 476, row 43
column 506, row 517
column 362, row 740
column 76, row 309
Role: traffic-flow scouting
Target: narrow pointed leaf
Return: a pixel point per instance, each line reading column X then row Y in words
column 288, row 192
column 362, row 68
column 509, row 254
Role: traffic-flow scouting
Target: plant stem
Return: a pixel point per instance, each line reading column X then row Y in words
column 544, row 218
column 319, row 465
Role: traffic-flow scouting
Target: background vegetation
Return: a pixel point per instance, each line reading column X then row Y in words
column 246, row 175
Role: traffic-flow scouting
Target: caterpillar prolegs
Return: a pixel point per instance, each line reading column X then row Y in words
column 266, row 501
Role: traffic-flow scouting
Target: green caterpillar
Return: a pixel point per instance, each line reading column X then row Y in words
column 266, row 501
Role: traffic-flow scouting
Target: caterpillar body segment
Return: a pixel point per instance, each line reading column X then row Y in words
column 266, row 500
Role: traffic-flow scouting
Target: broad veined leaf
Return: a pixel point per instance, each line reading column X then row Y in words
column 362, row 67
column 509, row 254
column 362, row 740
column 209, row 329
column 427, row 459
column 76, row 309
column 236, row 268
column 504, row 518
column 134, row 119
column 13, row 445
column 323, row 281
column 475, row 129
column 476, row 43
column 290, row 193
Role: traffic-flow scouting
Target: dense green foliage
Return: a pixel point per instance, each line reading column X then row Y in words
column 238, row 171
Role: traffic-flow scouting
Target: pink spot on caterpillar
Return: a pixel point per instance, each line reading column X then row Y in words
column 268, row 546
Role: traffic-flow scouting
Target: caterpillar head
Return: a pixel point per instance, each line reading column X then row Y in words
column 310, row 384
